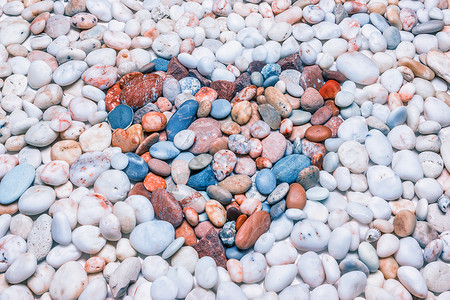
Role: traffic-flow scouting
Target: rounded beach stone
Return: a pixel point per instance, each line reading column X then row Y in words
column 404, row 223
column 257, row 224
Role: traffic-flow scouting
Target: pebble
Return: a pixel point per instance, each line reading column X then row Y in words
column 310, row 235
column 144, row 235
column 11, row 187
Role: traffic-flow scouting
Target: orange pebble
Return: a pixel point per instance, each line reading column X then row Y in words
column 240, row 221
column 239, row 198
column 206, row 93
column 262, row 163
column 259, row 91
column 153, row 182
column 94, row 264
column 154, row 121
column 112, row 97
column 164, row 104
column 191, row 215
column 146, row 156
column 330, row 89
column 185, row 230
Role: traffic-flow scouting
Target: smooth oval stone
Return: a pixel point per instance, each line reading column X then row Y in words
column 257, row 224
column 308, row 177
column 353, row 264
column 288, row 168
column 88, row 168
column 221, row 108
column 280, row 191
column 164, row 150
column 137, row 168
column 317, row 193
column 409, row 253
column 397, row 117
column 279, row 277
column 351, row 285
column 36, row 200
column 413, row 280
column 311, row 261
column 300, row 117
column 182, row 118
column 368, row 255
column 358, row 68
column 220, row 194
column 16, row 182
column 121, row 117
column 152, row 237
column 265, row 181
column 310, row 235
column 384, row 183
column 200, row 162
column 339, row 242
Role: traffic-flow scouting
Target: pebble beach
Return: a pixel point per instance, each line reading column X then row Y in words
column 225, row 149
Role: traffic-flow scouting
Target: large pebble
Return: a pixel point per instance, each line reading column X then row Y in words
column 152, row 237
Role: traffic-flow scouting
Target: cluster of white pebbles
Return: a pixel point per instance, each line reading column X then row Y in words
column 59, row 242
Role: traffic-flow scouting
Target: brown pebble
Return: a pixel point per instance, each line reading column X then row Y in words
column 210, row 245
column 167, row 207
column 404, row 223
column 318, row 133
column 202, row 229
column 322, row 115
column 334, row 108
column 257, row 224
column 389, row 267
column 176, row 69
column 241, row 112
column 139, row 189
column 240, row 221
column 229, row 127
column 296, row 197
column 236, row 184
column 159, row 167
column 218, row 144
column 9, row 209
column 311, row 100
column 204, row 109
column 147, row 143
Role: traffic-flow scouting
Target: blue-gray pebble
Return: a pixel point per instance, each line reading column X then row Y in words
column 121, row 117
column 164, row 150
column 16, row 182
column 257, row 79
column 265, row 181
column 397, row 117
column 137, row 168
column 220, row 109
column 392, row 36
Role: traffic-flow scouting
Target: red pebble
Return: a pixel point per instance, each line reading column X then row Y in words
column 334, row 124
column 330, row 89
column 142, row 90
column 112, row 96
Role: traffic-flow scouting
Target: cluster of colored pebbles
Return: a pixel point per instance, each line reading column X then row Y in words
column 217, row 149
